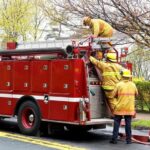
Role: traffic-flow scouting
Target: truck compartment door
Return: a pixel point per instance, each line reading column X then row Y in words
column 61, row 89
column 21, row 76
column 39, row 76
column 6, row 88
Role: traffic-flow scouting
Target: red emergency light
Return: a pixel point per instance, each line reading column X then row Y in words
column 124, row 52
column 11, row 45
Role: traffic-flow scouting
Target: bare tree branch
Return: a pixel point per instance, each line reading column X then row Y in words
column 129, row 17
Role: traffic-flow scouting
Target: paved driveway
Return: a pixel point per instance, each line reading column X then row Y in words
column 11, row 139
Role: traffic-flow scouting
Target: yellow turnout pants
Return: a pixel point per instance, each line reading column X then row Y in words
column 110, row 99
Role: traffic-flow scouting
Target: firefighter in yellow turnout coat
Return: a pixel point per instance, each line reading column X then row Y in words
column 99, row 27
column 110, row 75
column 125, row 92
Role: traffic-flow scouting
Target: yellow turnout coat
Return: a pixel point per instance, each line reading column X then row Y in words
column 110, row 77
column 125, row 92
column 110, row 73
column 101, row 28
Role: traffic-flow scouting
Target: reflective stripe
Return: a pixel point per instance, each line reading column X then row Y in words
column 107, row 87
column 110, row 33
column 101, row 28
column 124, row 112
column 110, row 73
column 126, row 94
column 39, row 97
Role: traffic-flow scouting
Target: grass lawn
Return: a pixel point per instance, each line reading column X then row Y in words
column 141, row 124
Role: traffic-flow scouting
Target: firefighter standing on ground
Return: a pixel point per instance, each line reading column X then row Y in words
column 110, row 71
column 125, row 92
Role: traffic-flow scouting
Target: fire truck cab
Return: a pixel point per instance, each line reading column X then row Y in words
column 51, row 88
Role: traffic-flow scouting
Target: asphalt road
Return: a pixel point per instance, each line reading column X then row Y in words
column 11, row 139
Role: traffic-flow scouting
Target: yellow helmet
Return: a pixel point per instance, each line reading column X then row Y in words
column 86, row 20
column 112, row 57
column 126, row 73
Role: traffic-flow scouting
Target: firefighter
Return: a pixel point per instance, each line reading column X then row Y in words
column 99, row 27
column 125, row 92
column 110, row 72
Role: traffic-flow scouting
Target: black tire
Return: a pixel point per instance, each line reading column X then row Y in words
column 29, row 118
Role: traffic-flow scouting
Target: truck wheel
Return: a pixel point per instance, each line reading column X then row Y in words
column 29, row 118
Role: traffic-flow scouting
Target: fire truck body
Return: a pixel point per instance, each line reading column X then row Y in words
column 45, row 86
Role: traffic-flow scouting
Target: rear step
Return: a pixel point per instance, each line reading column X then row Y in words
column 99, row 121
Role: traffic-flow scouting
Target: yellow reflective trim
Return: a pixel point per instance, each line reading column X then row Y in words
column 124, row 112
column 108, row 87
column 101, row 27
column 110, row 73
column 126, row 94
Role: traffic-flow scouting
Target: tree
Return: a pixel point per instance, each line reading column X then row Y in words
column 56, row 15
column 129, row 17
column 38, row 20
column 15, row 18
column 140, row 57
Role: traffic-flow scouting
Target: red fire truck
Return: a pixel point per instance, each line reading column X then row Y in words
column 51, row 88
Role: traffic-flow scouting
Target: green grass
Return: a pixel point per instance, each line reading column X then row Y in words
column 141, row 124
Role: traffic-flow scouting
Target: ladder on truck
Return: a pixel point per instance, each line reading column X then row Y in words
column 43, row 44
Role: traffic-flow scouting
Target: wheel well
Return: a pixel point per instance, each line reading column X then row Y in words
column 22, row 100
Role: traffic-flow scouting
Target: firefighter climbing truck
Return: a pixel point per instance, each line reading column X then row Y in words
column 51, row 88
